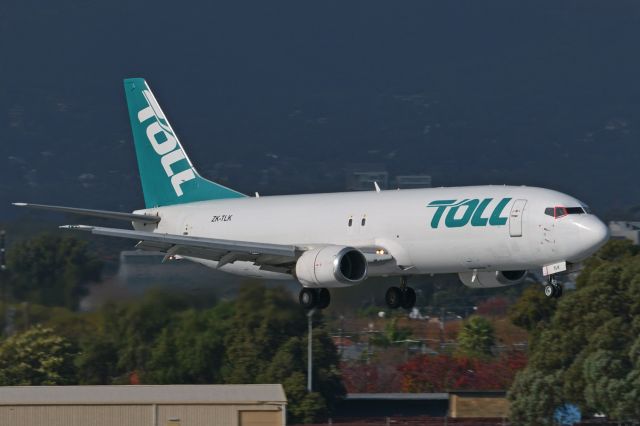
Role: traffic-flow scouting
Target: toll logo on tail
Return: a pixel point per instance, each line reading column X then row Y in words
column 166, row 173
column 164, row 142
column 472, row 211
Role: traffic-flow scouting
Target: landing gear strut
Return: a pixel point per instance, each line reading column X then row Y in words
column 318, row 298
column 403, row 296
column 553, row 288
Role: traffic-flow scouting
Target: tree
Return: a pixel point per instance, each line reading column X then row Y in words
column 263, row 320
column 97, row 362
column 441, row 373
column 361, row 377
column 261, row 337
column 37, row 356
column 493, row 307
column 392, row 334
column 191, row 349
column 476, row 338
column 125, row 335
column 533, row 309
column 586, row 352
column 538, row 397
column 266, row 343
column 51, row 270
column 611, row 376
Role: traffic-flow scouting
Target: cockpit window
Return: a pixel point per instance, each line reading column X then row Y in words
column 558, row 212
column 574, row 210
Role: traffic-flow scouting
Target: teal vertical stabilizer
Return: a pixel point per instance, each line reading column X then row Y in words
column 167, row 175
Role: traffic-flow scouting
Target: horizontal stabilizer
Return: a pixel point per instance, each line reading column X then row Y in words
column 95, row 213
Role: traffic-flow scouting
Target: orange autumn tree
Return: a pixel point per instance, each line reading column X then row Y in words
column 440, row 373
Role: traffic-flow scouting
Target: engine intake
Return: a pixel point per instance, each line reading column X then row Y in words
column 331, row 266
column 489, row 279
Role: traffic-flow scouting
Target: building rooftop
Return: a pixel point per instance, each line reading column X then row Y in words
column 142, row 394
column 623, row 229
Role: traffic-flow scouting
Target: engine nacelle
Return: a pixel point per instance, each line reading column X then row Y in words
column 331, row 266
column 488, row 279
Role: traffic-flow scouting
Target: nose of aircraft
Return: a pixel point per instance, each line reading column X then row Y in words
column 593, row 233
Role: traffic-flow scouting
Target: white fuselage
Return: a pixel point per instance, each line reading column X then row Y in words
column 521, row 237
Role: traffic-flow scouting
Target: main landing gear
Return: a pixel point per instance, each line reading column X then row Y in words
column 314, row 298
column 553, row 289
column 403, row 296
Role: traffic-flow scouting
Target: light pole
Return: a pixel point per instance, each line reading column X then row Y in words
column 310, row 351
column 341, row 335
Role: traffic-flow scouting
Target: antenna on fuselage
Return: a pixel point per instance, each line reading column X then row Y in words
column 375, row 184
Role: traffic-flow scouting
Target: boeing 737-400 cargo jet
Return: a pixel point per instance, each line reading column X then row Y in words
column 489, row 235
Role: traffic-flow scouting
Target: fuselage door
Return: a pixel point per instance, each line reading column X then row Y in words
column 515, row 218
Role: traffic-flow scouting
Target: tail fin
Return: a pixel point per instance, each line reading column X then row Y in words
column 167, row 175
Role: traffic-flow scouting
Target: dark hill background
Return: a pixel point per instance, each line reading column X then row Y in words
column 280, row 97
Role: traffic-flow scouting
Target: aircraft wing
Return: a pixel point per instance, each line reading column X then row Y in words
column 95, row 213
column 224, row 251
column 268, row 256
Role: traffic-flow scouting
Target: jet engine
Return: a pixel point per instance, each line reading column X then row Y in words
column 488, row 279
column 331, row 266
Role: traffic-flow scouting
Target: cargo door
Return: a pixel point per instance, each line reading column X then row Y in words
column 515, row 218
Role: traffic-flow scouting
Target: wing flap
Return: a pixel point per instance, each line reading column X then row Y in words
column 189, row 241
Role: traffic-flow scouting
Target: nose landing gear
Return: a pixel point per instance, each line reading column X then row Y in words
column 553, row 289
column 403, row 296
column 318, row 298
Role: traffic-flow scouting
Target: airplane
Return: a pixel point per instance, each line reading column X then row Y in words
column 491, row 236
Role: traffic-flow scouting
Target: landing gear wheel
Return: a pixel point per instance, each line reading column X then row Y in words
column 549, row 290
column 308, row 298
column 324, row 298
column 393, row 297
column 558, row 291
column 553, row 289
column 408, row 298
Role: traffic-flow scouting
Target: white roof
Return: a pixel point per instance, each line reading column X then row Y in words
column 142, row 394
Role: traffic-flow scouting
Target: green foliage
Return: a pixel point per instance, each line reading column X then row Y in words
column 261, row 337
column 268, row 345
column 309, row 407
column 476, row 338
column 586, row 352
column 130, row 331
column 96, row 362
column 392, row 334
column 37, row 356
column 532, row 310
column 535, row 395
column 51, row 270
column 263, row 320
column 191, row 349
column 136, row 327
